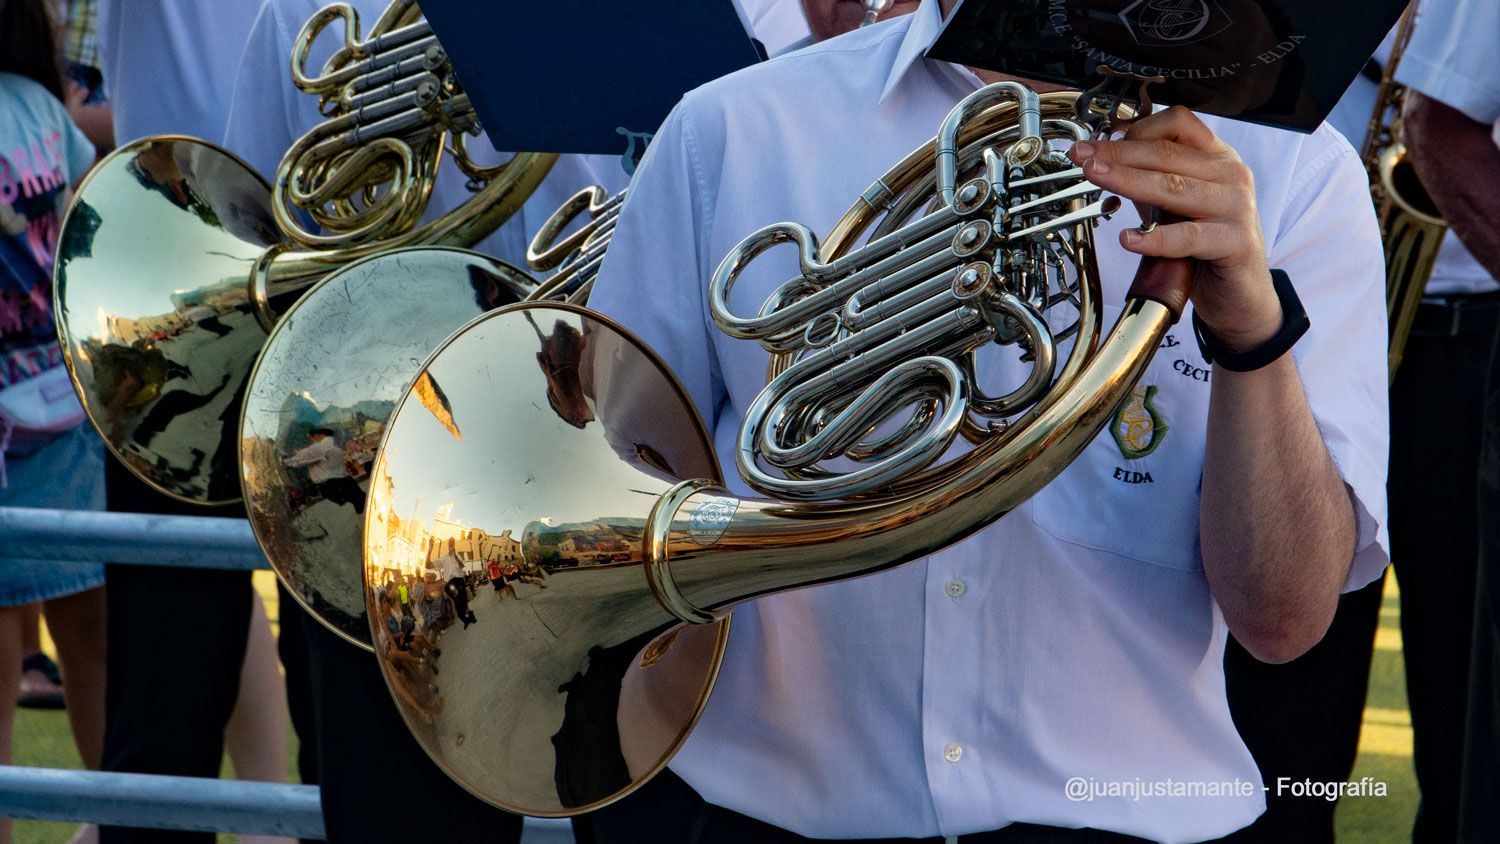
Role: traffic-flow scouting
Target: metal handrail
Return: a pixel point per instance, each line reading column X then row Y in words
column 161, row 802
column 79, row 536
column 148, row 800
column 188, row 803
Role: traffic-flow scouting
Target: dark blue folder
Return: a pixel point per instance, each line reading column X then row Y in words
column 589, row 76
column 1279, row 62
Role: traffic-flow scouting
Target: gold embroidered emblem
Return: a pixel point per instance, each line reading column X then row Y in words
column 1137, row 426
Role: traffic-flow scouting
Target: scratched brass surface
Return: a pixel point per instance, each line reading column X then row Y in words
column 154, row 312
column 538, row 441
column 340, row 359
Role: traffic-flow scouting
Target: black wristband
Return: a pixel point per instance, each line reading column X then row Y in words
column 1294, row 324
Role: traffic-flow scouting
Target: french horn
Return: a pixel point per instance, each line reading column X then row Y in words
column 176, row 258
column 341, row 358
column 548, row 436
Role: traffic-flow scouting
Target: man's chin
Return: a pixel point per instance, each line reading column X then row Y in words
column 849, row 13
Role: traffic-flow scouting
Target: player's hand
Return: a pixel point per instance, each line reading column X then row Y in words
column 1173, row 161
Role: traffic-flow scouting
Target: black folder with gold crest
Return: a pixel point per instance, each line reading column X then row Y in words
column 1278, row 62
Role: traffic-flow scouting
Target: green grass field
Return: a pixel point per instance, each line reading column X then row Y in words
column 1385, row 744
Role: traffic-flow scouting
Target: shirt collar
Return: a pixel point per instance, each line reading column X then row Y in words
column 923, row 28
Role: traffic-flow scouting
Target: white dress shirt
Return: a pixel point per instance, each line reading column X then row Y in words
column 1448, row 60
column 269, row 114
column 1455, row 270
column 1449, row 56
column 324, row 460
column 169, row 65
column 1076, row 637
column 449, row 567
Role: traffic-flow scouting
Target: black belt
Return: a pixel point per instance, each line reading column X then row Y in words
column 1462, row 313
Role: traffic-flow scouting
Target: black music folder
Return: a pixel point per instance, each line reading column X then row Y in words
column 1278, row 62
column 586, row 76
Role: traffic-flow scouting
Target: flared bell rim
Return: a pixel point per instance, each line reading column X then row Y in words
column 308, row 300
column 720, row 626
column 65, row 336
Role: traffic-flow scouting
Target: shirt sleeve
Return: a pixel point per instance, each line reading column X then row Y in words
column 78, row 149
column 655, row 275
column 1448, row 58
column 1329, row 244
column 307, row 455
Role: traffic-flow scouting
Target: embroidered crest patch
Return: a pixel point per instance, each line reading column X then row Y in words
column 1137, row 426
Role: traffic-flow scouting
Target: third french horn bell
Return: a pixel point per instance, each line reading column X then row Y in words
column 176, row 258
column 547, row 435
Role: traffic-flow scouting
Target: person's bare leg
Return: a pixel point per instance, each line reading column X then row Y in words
column 31, row 630
column 256, row 735
column 10, row 688
column 76, row 623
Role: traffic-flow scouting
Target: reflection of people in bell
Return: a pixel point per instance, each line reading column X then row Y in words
column 558, row 358
column 156, row 169
column 504, row 576
column 324, row 460
column 451, row 570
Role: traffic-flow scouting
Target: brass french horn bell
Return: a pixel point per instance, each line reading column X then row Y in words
column 548, row 438
column 342, row 357
column 175, row 258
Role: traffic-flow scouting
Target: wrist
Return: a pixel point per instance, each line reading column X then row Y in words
column 1251, row 344
column 1259, row 324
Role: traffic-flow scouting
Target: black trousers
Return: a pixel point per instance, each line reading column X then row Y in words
column 667, row 810
column 1479, row 801
column 1437, row 406
column 176, row 646
column 378, row 784
column 343, row 490
column 458, row 590
column 1301, row 719
column 292, row 649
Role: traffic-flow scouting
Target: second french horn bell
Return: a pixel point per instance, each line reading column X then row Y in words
column 342, row 357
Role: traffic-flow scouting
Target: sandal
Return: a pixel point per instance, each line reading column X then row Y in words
column 41, row 683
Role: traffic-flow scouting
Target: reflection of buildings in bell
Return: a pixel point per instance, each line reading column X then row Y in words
column 412, row 543
column 202, row 304
column 580, row 544
column 128, row 330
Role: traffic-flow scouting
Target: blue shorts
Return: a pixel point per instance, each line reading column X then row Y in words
column 65, row 473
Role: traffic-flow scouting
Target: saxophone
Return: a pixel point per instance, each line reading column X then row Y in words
column 1411, row 226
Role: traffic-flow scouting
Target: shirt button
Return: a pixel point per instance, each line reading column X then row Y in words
column 953, row 752
column 955, row 588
